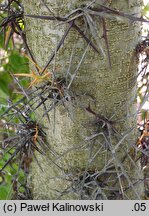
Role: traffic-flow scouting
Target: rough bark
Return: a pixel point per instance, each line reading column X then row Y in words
column 110, row 92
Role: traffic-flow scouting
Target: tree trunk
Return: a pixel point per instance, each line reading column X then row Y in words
column 92, row 134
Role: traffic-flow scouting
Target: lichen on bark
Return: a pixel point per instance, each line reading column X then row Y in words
column 110, row 92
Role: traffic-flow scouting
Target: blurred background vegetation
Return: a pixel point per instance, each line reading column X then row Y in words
column 11, row 61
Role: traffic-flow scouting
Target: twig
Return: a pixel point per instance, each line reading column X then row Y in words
column 106, row 40
column 78, row 66
column 58, row 46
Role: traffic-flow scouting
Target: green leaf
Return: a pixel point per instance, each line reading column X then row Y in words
column 5, row 81
column 17, row 63
column 4, row 191
column 21, row 189
column 146, row 9
column 1, row 40
column 3, row 95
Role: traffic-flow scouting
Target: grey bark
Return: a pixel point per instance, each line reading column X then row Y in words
column 110, row 92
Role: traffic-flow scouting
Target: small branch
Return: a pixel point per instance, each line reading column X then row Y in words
column 85, row 37
column 106, row 40
column 78, row 66
column 58, row 18
column 58, row 46
column 103, row 9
